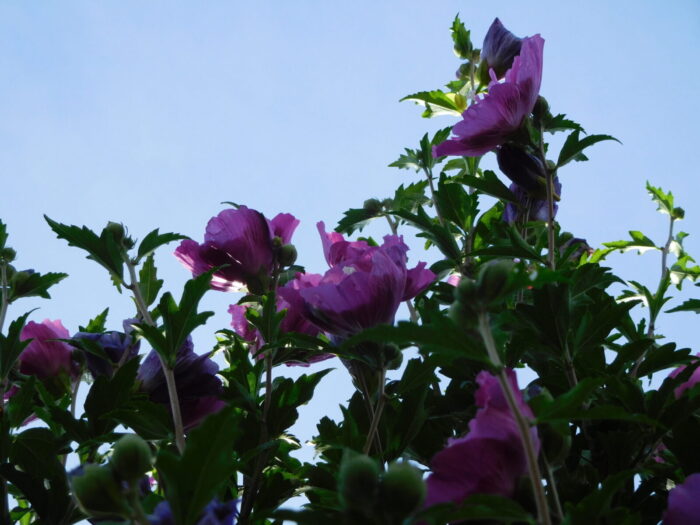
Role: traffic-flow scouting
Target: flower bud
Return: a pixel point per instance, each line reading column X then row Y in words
column 464, row 71
column 495, row 280
column 358, row 483
column 116, row 229
column 373, row 206
column 500, row 48
column 524, row 169
column 287, row 255
column 459, row 313
column 402, row 490
column 131, row 458
column 393, row 357
column 7, row 255
column 466, row 291
column 98, row 492
column 541, row 109
column 678, row 213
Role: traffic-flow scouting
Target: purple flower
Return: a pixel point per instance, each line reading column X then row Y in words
column 490, row 458
column 500, row 48
column 693, row 380
column 215, row 513
column 363, row 288
column 198, row 387
column 489, row 121
column 45, row 357
column 293, row 321
column 521, row 167
column 243, row 242
column 114, row 345
column 538, row 207
column 684, row 502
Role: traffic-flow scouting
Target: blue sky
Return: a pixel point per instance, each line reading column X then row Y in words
column 153, row 113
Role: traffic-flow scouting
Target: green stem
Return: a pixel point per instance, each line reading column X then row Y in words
column 520, row 420
column 429, row 175
column 168, row 372
column 373, row 433
column 139, row 516
column 549, row 181
column 4, row 299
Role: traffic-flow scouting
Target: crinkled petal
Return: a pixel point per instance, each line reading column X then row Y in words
column 283, row 226
column 417, row 280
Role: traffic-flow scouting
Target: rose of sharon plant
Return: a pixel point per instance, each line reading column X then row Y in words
column 46, row 357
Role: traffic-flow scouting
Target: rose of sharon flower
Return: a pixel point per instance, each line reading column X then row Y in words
column 684, row 503
column 114, row 344
column 693, row 380
column 490, row 458
column 215, row 513
column 241, row 241
column 363, row 288
column 538, row 207
column 293, row 321
column 198, row 388
column 489, row 121
column 45, row 357
column 499, row 49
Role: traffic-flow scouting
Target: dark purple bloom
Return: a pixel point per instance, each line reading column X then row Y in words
column 293, row 321
column 489, row 121
column 684, row 502
column 521, row 167
column 198, row 387
column 215, row 513
column 490, row 458
column 364, row 286
column 114, row 345
column 538, row 207
column 693, row 380
column 579, row 246
column 243, row 242
column 45, row 357
column 500, row 48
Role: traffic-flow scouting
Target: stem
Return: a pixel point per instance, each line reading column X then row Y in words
column 522, row 423
column 429, row 175
column 4, row 300
column 372, row 434
column 549, row 179
column 168, row 372
column 139, row 516
column 555, row 493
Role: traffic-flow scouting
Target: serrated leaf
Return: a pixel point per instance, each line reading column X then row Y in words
column 103, row 249
column 3, row 234
column 11, row 346
column 25, row 284
column 574, row 146
column 354, row 219
column 639, row 242
column 436, row 103
column 97, row 324
column 410, row 197
column 439, row 235
column 192, row 480
column 691, row 305
column 489, row 184
column 663, row 200
column 149, row 283
column 561, row 123
column 154, row 240
column 568, row 404
column 460, row 37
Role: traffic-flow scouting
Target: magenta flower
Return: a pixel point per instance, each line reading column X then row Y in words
column 363, row 288
column 693, row 380
column 45, row 357
column 538, row 207
column 242, row 241
column 490, row 458
column 500, row 48
column 684, row 502
column 489, row 121
column 293, row 321
column 198, row 387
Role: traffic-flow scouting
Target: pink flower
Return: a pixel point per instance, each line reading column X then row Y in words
column 45, row 357
column 242, row 241
column 490, row 458
column 684, row 502
column 489, row 121
column 693, row 380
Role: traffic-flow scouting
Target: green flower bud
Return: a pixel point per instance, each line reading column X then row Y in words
column 287, row 255
column 7, row 255
column 358, row 483
column 99, row 493
column 466, row 291
column 116, row 229
column 373, row 206
column 496, row 281
column 131, row 458
column 459, row 313
column 388, row 203
column 402, row 490
column 541, row 110
column 393, row 357
column 678, row 213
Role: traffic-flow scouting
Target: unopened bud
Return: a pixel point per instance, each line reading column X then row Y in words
column 7, row 255
column 495, row 280
column 541, row 109
column 287, row 255
column 402, row 490
column 678, row 213
column 131, row 458
column 393, row 357
column 358, row 483
column 116, row 229
column 98, row 492
column 373, row 206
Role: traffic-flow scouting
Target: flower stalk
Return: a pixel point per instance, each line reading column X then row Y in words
column 523, row 425
column 4, row 294
column 168, row 372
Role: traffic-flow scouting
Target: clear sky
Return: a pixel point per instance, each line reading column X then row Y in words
column 152, row 113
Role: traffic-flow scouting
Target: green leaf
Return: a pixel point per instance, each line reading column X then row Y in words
column 454, row 203
column 691, row 305
column 103, row 249
column 154, row 240
column 489, row 184
column 438, row 103
column 11, row 346
column 681, row 270
column 478, row 507
column 410, row 197
column 561, row 123
column 663, row 200
column 149, row 283
column 3, row 234
column 437, row 234
column 354, row 219
column 108, row 394
column 460, row 37
column 96, row 325
column 25, row 284
column 639, row 242
column 193, row 479
column 574, row 146
column 565, row 406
